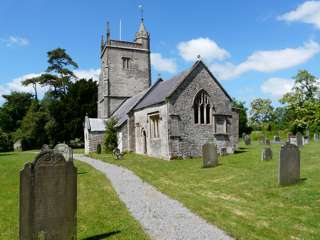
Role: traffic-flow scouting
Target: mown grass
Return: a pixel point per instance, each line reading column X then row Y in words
column 241, row 195
column 100, row 212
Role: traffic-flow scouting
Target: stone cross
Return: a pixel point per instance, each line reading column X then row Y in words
column 316, row 137
column 209, row 155
column 65, row 150
column 48, row 198
column 289, row 164
column 266, row 154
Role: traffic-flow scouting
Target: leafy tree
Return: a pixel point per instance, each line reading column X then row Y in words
column 33, row 81
column 261, row 112
column 59, row 72
column 13, row 110
column 306, row 85
column 243, row 119
column 110, row 137
column 5, row 141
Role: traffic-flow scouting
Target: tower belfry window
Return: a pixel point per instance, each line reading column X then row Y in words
column 126, row 63
column 202, row 109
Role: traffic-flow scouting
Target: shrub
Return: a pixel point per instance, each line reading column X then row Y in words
column 110, row 137
column 98, row 149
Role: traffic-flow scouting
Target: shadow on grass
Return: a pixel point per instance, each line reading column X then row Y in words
column 8, row 154
column 239, row 151
column 102, row 236
column 79, row 173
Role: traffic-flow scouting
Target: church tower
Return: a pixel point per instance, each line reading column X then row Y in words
column 125, row 70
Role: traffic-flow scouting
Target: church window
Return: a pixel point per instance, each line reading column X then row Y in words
column 202, row 108
column 154, row 121
column 126, row 63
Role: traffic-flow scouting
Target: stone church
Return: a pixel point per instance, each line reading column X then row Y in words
column 169, row 119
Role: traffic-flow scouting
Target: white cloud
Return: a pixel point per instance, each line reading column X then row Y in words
column 14, row 40
column 15, row 84
column 162, row 64
column 277, row 87
column 205, row 47
column 268, row 61
column 88, row 74
column 307, row 12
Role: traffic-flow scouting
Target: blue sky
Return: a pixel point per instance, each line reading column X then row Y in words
column 252, row 47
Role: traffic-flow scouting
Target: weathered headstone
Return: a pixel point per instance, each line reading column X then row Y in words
column 306, row 140
column 289, row 164
column 316, row 137
column 299, row 139
column 65, row 150
column 48, row 198
column 276, row 139
column 268, row 142
column 266, row 154
column 209, row 155
column 17, row 146
column 247, row 139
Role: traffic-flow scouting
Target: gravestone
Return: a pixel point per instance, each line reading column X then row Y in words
column 17, row 146
column 293, row 140
column 209, row 155
column 289, row 164
column 268, row 142
column 48, row 198
column 266, row 154
column 306, row 140
column 276, row 139
column 262, row 139
column 316, row 137
column 65, row 150
column 299, row 139
column 307, row 132
column 247, row 140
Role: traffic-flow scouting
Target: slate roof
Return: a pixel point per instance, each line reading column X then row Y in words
column 122, row 112
column 96, row 124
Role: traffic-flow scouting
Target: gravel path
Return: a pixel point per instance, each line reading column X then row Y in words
column 161, row 217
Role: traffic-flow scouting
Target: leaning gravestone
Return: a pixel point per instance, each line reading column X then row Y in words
column 266, row 154
column 65, row 150
column 289, row 164
column 299, row 139
column 316, row 137
column 247, row 140
column 48, row 198
column 209, row 155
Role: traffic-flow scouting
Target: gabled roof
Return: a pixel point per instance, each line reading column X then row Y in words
column 166, row 89
column 95, row 124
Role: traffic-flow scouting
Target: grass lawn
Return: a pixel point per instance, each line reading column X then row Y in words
column 100, row 212
column 241, row 195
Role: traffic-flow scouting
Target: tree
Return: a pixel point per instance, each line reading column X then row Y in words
column 58, row 74
column 261, row 112
column 243, row 119
column 33, row 81
column 5, row 141
column 13, row 110
column 306, row 84
column 110, row 137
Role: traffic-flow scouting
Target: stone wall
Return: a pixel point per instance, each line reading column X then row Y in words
column 157, row 147
column 191, row 136
column 122, row 136
column 92, row 139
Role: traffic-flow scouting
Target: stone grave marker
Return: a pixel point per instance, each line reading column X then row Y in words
column 306, row 140
column 289, row 164
column 247, row 139
column 299, row 139
column 262, row 139
column 266, row 154
column 65, row 150
column 316, row 137
column 276, row 139
column 268, row 142
column 209, row 155
column 48, row 198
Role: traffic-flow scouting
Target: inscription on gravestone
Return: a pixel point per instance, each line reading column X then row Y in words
column 289, row 164
column 210, row 155
column 48, row 198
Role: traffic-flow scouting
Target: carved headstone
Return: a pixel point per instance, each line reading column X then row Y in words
column 266, row 154
column 316, row 137
column 65, row 150
column 289, row 164
column 209, row 155
column 48, row 198
column 299, row 139
column 247, row 139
